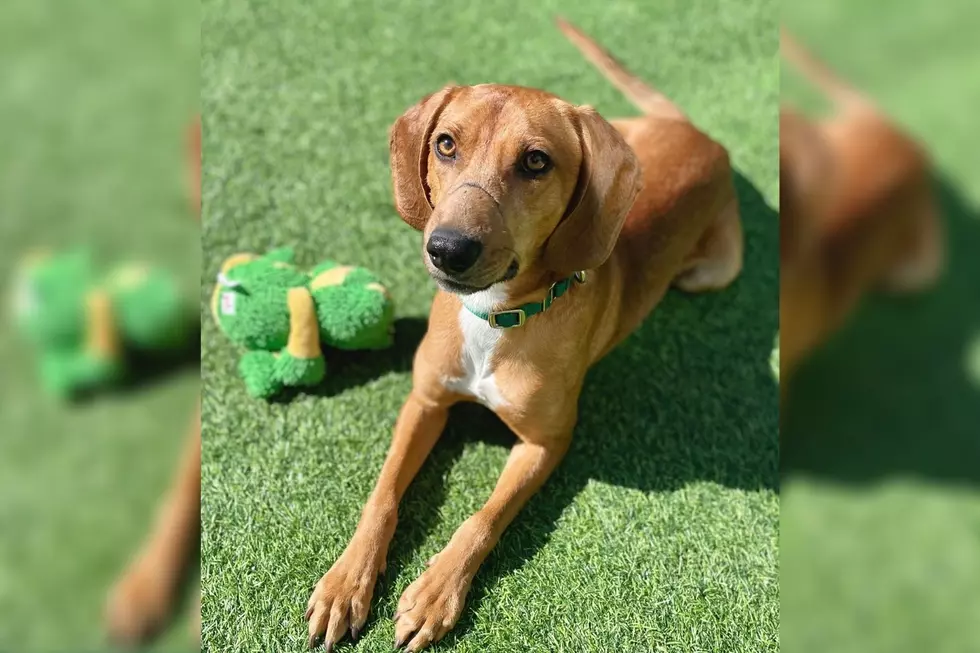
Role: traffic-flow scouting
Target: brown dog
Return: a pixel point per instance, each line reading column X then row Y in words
column 145, row 594
column 857, row 211
column 563, row 231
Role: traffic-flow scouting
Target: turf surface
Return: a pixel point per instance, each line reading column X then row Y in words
column 658, row 532
column 93, row 108
column 881, row 493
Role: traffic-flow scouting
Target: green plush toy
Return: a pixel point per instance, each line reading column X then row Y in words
column 283, row 316
column 82, row 323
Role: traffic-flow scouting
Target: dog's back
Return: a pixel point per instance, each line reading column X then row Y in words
column 683, row 227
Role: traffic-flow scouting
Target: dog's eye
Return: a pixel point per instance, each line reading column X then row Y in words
column 535, row 162
column 446, row 146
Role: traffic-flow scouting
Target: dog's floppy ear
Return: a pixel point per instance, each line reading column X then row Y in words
column 409, row 145
column 608, row 182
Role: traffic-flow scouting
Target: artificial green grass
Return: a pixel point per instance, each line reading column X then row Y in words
column 658, row 532
column 881, row 506
column 93, row 109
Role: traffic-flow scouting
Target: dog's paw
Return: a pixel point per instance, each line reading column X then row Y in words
column 139, row 604
column 431, row 606
column 342, row 598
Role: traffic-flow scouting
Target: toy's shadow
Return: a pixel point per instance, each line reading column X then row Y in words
column 146, row 368
column 687, row 398
column 892, row 394
column 349, row 369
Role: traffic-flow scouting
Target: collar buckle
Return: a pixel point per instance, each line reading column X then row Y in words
column 519, row 312
column 550, row 297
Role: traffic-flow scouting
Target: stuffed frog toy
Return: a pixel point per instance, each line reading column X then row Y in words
column 284, row 316
column 84, row 322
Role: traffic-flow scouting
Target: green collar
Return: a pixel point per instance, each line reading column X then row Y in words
column 516, row 317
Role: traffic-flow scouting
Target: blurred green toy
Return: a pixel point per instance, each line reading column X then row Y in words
column 82, row 323
column 283, row 316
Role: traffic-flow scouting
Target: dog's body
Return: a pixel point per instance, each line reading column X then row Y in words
column 531, row 376
column 638, row 207
column 857, row 212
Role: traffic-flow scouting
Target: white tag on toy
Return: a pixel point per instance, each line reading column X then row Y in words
column 228, row 303
column 223, row 280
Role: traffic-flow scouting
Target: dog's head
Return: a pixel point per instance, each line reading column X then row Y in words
column 502, row 179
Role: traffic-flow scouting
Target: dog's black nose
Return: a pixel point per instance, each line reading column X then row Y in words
column 451, row 251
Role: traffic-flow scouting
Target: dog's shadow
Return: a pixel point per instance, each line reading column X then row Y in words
column 689, row 397
column 896, row 394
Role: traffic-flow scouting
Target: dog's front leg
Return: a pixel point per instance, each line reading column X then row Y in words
column 143, row 597
column 341, row 599
column 431, row 605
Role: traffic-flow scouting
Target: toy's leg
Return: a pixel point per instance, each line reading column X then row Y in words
column 301, row 363
column 101, row 360
column 58, row 372
column 101, row 337
column 258, row 370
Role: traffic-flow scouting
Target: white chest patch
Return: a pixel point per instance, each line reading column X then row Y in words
column 476, row 357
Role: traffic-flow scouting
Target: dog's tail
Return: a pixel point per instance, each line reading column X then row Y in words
column 646, row 98
column 836, row 89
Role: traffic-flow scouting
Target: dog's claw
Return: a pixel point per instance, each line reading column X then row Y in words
column 309, row 613
column 328, row 648
column 315, row 640
column 406, row 638
column 355, row 633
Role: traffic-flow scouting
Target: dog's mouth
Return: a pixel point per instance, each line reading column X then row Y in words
column 459, row 288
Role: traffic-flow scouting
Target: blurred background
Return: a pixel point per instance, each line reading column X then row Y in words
column 880, row 487
column 880, row 437
column 95, row 101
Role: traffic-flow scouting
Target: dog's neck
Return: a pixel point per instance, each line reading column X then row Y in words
column 530, row 286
